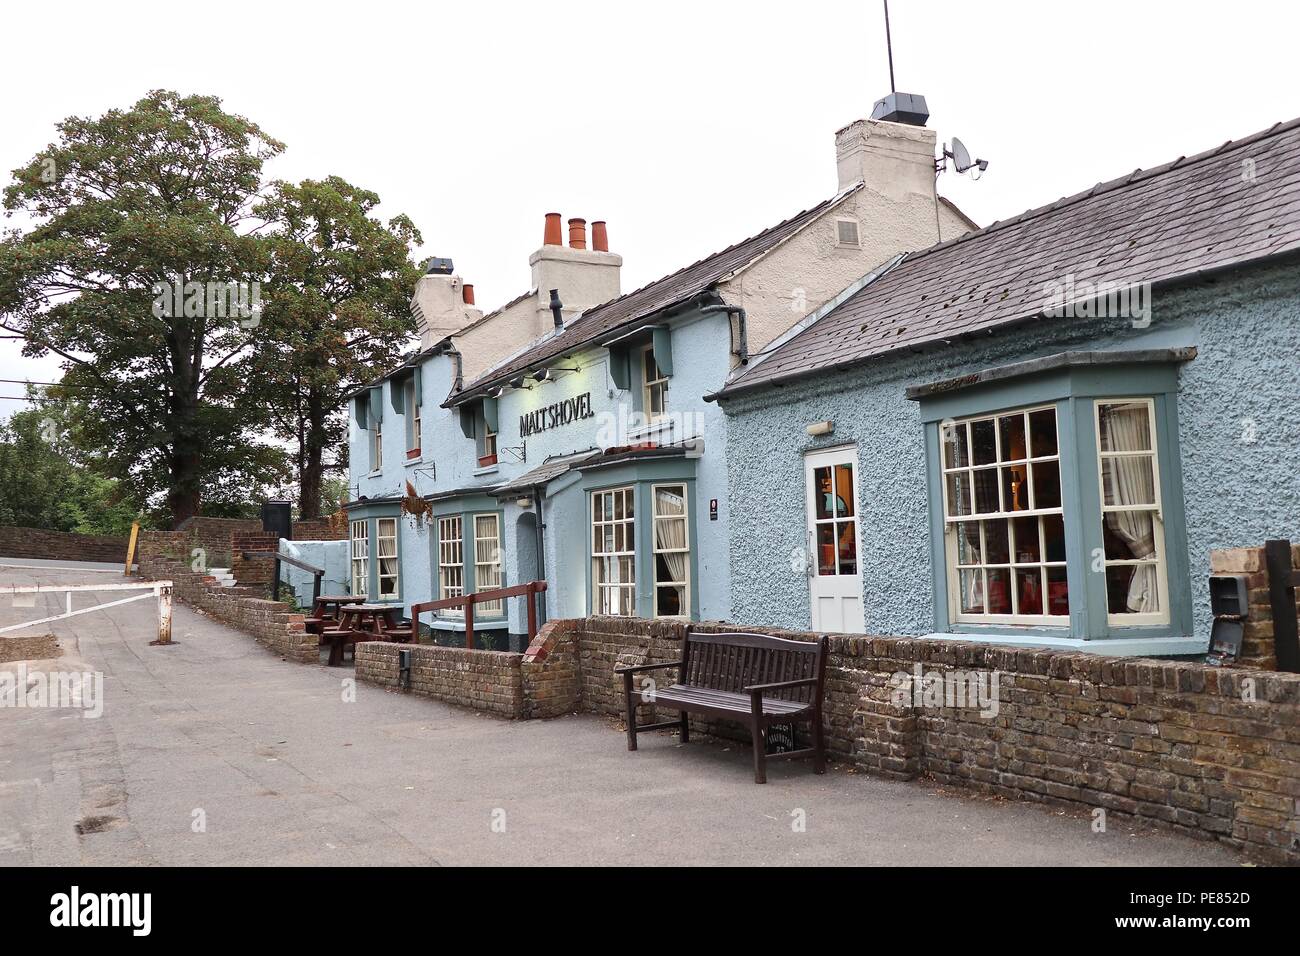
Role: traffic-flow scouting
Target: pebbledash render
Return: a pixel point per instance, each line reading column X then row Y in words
column 1037, row 432
column 565, row 437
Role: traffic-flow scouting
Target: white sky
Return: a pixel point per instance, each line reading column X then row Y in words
column 686, row 125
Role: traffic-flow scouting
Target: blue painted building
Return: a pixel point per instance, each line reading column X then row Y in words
column 1037, row 432
column 565, row 437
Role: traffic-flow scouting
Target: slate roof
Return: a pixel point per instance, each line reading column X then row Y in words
column 680, row 286
column 546, row 472
column 1158, row 225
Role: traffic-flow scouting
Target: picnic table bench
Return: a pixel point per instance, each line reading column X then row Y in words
column 752, row 678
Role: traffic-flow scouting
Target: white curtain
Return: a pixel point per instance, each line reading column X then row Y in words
column 1132, row 483
column 671, row 533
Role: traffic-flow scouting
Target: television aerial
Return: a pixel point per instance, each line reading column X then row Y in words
column 961, row 160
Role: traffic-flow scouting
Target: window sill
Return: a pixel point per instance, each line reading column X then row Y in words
column 654, row 429
column 485, row 470
column 414, row 461
column 1109, row 646
column 374, row 474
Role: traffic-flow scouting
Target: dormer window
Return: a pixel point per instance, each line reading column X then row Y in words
column 655, row 389
column 377, row 449
column 488, row 450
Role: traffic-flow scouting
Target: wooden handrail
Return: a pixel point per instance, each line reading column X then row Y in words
column 468, row 601
column 316, row 573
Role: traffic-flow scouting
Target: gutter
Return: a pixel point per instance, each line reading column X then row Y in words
column 1208, row 274
column 742, row 327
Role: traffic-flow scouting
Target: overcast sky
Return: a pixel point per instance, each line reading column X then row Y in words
column 686, row 125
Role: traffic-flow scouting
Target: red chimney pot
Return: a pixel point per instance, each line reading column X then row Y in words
column 577, row 234
column 599, row 237
column 467, row 293
column 553, row 235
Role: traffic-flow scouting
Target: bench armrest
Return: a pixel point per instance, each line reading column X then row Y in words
column 780, row 685
column 646, row 667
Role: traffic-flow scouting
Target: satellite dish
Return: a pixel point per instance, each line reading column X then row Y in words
column 960, row 155
column 961, row 159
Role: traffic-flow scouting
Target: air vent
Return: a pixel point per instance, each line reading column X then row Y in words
column 846, row 233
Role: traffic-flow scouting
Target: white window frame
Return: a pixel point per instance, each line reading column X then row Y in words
column 685, row 518
column 415, row 443
column 489, row 441
column 648, row 385
column 377, row 448
column 488, row 575
column 451, row 562
column 1132, row 619
column 954, row 568
column 614, row 555
column 396, row 556
column 360, row 557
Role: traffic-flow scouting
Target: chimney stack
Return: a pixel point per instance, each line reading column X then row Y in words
column 893, row 159
column 442, row 304
column 599, row 237
column 552, row 235
column 577, row 234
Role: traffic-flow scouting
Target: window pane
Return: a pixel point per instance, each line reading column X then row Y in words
column 822, row 482
column 1054, row 536
column 982, row 442
column 968, row 542
column 1058, row 592
column 996, row 548
column 826, row 562
column 1015, row 493
column 1029, row 590
column 999, row 591
column 972, row 591
column 843, row 490
column 618, row 505
column 848, row 547
column 670, row 500
column 1131, row 589
column 670, row 601
column 628, row 502
column 1047, row 484
column 959, row 502
column 955, row 452
column 1012, row 434
column 1125, row 426
column 1129, row 480
column 1026, row 543
column 1042, row 432
column 1129, row 535
column 986, row 491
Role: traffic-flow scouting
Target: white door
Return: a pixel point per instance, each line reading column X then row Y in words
column 834, row 568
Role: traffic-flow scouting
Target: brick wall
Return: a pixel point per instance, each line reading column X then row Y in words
column 270, row 622
column 1257, row 648
column 490, row 681
column 253, row 572
column 213, row 535
column 61, row 545
column 318, row 529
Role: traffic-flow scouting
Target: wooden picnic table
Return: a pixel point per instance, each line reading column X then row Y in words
column 324, row 612
column 364, row 622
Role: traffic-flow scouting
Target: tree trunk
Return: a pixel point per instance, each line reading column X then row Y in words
column 311, row 474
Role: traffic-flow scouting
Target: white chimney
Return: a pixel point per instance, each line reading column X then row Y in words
column 442, row 303
column 895, row 160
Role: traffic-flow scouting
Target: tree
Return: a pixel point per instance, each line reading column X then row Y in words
column 139, row 272
column 337, row 314
column 42, row 485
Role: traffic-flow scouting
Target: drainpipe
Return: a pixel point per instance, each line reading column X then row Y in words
column 742, row 328
column 541, row 551
column 458, row 379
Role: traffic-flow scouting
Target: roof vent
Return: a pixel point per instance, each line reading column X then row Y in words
column 438, row 267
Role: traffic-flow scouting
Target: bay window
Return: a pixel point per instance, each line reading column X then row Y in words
column 672, row 552
column 613, row 552
column 1056, row 508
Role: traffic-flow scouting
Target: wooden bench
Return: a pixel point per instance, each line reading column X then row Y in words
column 752, row 678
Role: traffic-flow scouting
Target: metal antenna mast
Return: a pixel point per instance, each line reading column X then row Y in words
column 889, row 48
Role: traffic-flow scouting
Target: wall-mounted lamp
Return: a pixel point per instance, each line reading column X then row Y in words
column 817, row 429
column 524, row 502
column 548, row 374
column 517, row 382
column 497, row 392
